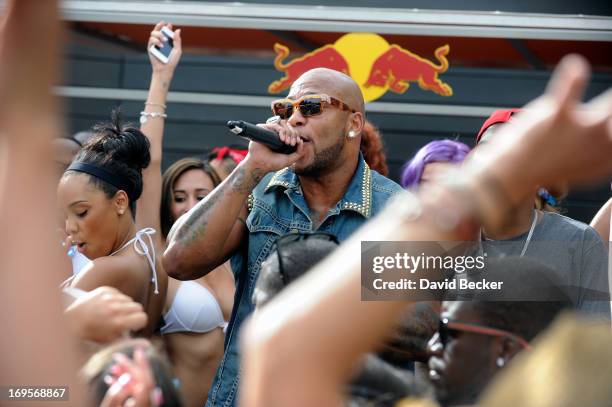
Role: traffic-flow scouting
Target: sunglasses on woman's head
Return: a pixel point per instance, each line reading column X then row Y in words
column 290, row 238
column 309, row 105
column 447, row 328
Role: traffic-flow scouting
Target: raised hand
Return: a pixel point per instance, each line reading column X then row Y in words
column 157, row 39
column 22, row 48
column 134, row 385
column 264, row 158
column 557, row 138
column 30, row 41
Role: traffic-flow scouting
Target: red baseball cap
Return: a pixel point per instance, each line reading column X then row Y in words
column 498, row 116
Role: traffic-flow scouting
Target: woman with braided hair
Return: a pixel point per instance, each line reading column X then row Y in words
column 98, row 194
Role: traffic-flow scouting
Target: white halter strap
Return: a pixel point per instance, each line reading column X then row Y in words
column 141, row 247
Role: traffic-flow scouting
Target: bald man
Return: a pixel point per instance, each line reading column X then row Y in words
column 324, row 186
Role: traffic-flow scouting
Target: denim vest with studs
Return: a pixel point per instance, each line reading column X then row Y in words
column 277, row 207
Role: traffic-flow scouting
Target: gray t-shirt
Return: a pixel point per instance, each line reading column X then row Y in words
column 574, row 251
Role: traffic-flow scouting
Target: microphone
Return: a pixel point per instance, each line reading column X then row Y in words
column 260, row 135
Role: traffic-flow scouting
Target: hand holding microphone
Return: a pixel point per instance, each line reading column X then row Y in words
column 275, row 145
column 260, row 135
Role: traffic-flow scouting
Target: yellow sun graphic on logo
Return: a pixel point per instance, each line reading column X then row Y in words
column 360, row 51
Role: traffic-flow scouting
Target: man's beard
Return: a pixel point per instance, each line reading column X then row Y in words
column 324, row 161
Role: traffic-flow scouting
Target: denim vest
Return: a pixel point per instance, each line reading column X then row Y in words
column 277, row 207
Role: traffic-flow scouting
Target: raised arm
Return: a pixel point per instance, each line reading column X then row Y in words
column 211, row 231
column 148, row 206
column 30, row 256
column 496, row 179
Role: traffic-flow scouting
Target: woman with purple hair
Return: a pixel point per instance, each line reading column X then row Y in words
column 432, row 160
column 429, row 163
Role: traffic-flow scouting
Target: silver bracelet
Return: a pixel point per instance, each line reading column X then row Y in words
column 144, row 116
column 155, row 104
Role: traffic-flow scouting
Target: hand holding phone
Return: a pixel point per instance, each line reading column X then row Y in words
column 163, row 53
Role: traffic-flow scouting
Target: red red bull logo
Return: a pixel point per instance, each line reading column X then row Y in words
column 324, row 57
column 372, row 62
column 397, row 67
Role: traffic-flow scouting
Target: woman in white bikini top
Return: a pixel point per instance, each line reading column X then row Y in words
column 192, row 306
column 196, row 312
column 201, row 306
column 98, row 194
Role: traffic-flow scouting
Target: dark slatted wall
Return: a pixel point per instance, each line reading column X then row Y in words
column 194, row 128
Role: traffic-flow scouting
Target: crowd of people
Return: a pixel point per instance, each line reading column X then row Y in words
column 235, row 277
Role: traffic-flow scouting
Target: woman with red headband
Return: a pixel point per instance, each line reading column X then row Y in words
column 224, row 159
column 197, row 311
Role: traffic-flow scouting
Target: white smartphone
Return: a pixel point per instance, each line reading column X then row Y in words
column 163, row 53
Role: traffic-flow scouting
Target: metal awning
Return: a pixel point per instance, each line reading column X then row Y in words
column 219, row 99
column 447, row 23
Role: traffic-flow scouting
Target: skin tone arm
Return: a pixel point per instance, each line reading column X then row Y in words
column 500, row 176
column 147, row 212
column 30, row 256
column 211, row 231
column 121, row 272
column 601, row 221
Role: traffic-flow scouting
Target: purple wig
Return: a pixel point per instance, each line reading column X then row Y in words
column 435, row 151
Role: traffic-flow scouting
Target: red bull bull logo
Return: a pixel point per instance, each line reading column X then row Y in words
column 397, row 67
column 324, row 57
column 372, row 62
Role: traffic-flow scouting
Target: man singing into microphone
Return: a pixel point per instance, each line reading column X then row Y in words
column 324, row 186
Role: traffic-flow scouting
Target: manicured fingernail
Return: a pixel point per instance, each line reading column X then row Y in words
column 108, row 380
column 124, row 379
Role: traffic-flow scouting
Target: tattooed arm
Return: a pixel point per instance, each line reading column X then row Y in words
column 211, row 231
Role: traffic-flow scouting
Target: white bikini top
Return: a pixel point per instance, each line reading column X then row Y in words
column 141, row 247
column 193, row 309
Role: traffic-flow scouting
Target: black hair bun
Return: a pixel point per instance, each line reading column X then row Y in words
column 120, row 142
column 121, row 150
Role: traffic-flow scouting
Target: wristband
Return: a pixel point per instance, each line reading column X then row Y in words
column 144, row 116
